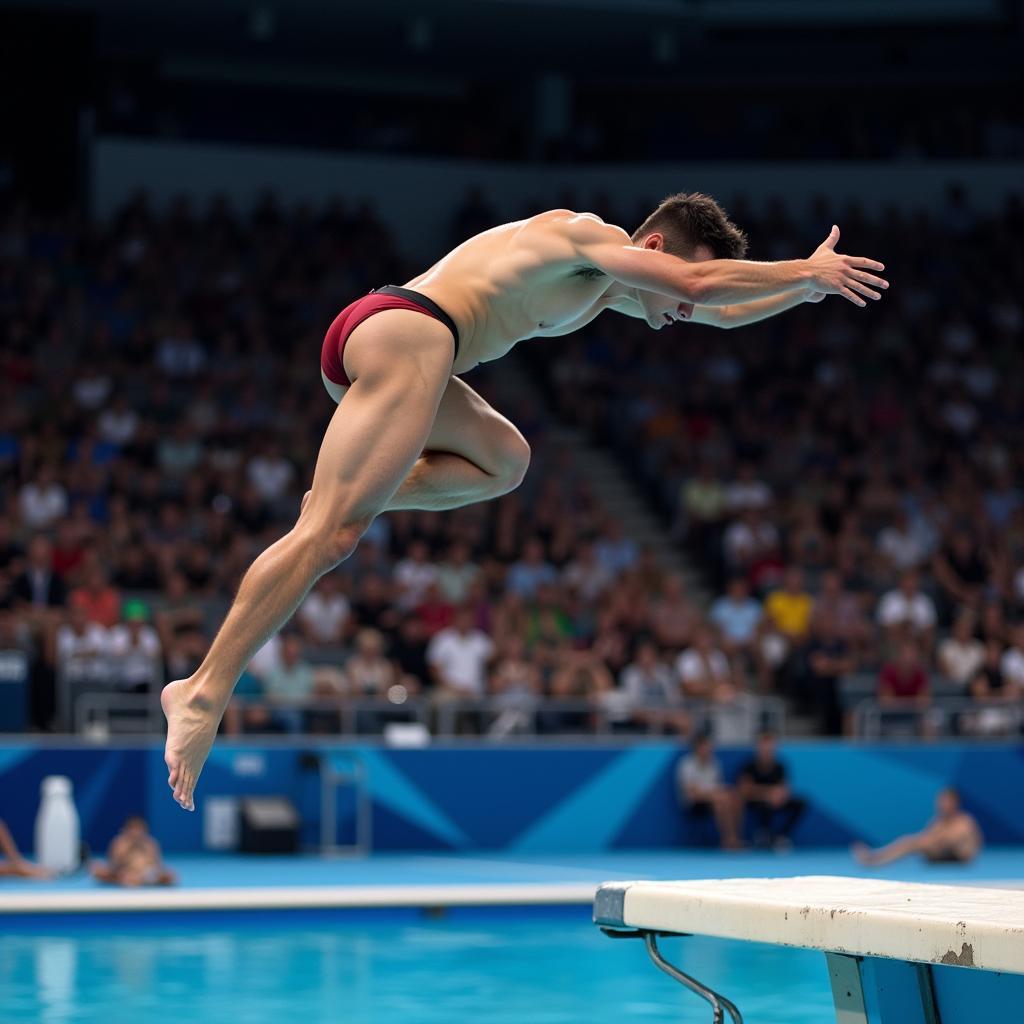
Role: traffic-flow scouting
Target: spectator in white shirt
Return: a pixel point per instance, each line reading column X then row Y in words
column 81, row 647
column 652, row 693
column 118, row 424
column 961, row 654
column 746, row 491
column 907, row 609
column 135, row 653
column 458, row 657
column 1012, row 661
column 902, row 546
column 413, row 575
column 326, row 612
column 704, row 670
column 748, row 538
column 43, row 500
column 271, row 473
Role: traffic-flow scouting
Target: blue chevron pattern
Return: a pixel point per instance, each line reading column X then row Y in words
column 526, row 800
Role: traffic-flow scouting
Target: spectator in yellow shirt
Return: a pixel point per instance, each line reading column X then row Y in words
column 787, row 617
column 789, row 608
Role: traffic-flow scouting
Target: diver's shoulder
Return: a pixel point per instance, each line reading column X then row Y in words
column 577, row 225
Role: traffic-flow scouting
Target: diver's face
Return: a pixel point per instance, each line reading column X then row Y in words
column 663, row 310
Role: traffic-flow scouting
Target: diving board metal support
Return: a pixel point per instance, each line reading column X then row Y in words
column 716, row 1000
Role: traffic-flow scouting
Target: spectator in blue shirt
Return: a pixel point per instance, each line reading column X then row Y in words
column 531, row 571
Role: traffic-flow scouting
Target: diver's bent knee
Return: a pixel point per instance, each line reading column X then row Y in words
column 515, row 461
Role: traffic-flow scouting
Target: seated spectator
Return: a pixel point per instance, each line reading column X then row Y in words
column 369, row 672
column 990, row 683
column 995, row 696
column 961, row 569
column 749, row 540
column 531, row 571
column 134, row 858
column 409, row 650
column 673, row 617
column 762, row 786
column 703, row 502
column 586, row 575
column 458, row 657
column 788, row 610
column 38, row 591
column 903, row 685
column 747, row 491
column 13, row 864
column 271, row 473
column 290, row 684
column 325, row 614
column 101, row 601
column 614, row 550
column 412, row 575
column 903, row 547
column 373, row 604
column 435, row 611
column 908, row 611
column 704, row 671
column 961, row 655
column 515, row 684
column 952, row 836
column 1011, row 663
column 42, row 500
column 829, row 658
column 652, row 693
column 136, row 657
column 702, row 791
column 80, row 647
column 737, row 617
column 845, row 611
column 580, row 678
column 456, row 574
column 136, row 570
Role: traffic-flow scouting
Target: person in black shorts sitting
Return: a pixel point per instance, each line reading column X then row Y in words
column 762, row 787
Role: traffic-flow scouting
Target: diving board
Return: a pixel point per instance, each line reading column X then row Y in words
column 895, row 950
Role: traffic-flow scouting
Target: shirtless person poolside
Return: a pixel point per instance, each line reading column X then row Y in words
column 411, row 435
column 952, row 836
column 134, row 858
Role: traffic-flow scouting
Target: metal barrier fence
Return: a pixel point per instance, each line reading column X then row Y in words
column 100, row 712
column 942, row 716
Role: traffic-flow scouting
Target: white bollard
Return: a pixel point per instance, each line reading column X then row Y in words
column 57, row 827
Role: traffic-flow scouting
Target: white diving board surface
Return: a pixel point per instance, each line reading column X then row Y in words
column 894, row 949
column 933, row 924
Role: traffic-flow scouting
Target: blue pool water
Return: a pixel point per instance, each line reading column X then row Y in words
column 555, row 968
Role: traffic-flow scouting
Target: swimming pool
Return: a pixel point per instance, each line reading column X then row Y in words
column 549, row 967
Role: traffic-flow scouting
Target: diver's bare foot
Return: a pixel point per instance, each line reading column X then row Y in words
column 191, row 729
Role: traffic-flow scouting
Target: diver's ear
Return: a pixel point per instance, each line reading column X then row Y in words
column 655, row 240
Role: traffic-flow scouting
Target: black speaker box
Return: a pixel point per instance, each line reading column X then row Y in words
column 270, row 824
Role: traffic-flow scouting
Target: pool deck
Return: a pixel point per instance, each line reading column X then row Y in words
column 411, row 880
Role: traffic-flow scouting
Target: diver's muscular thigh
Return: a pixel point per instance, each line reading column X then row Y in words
column 467, row 425
column 378, row 431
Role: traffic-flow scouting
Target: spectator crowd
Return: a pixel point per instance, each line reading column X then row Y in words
column 850, row 483
column 846, row 481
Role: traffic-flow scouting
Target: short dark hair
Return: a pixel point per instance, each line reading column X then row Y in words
column 691, row 219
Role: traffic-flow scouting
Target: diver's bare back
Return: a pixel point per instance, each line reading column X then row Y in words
column 516, row 281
